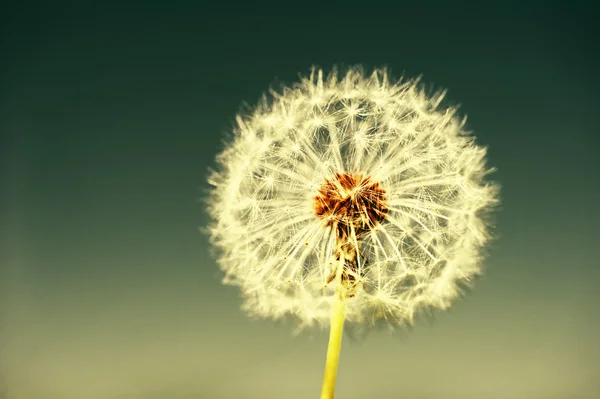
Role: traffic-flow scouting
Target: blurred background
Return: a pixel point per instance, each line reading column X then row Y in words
column 111, row 114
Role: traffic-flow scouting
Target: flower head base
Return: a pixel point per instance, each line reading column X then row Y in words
column 352, row 205
column 352, row 183
column 351, row 201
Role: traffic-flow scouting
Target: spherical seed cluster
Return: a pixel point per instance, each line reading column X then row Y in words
column 351, row 182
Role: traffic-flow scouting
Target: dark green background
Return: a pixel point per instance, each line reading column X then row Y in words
column 111, row 115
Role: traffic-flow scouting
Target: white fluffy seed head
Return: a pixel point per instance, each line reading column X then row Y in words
column 282, row 253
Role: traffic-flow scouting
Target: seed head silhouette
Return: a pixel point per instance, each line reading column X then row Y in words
column 358, row 193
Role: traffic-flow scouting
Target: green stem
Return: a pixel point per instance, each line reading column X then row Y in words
column 333, row 349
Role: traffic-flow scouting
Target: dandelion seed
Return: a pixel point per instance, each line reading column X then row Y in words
column 353, row 198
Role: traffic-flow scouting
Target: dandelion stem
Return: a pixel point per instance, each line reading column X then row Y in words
column 333, row 349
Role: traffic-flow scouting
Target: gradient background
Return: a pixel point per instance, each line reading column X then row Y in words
column 110, row 117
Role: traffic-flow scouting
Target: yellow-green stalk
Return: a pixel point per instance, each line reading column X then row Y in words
column 333, row 348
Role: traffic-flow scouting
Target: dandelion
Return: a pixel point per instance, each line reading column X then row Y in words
column 350, row 198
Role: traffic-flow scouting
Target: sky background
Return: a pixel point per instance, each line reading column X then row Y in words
column 111, row 115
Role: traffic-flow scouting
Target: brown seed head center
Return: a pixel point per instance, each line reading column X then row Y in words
column 351, row 200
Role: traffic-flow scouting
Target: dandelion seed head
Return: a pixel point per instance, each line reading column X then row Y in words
column 354, row 182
